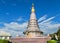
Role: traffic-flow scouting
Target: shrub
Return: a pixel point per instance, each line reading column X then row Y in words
column 52, row 41
column 4, row 41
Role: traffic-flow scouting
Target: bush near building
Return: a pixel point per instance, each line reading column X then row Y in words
column 4, row 41
column 57, row 34
column 52, row 41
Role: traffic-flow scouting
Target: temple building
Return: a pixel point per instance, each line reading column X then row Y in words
column 33, row 27
column 32, row 34
column 5, row 35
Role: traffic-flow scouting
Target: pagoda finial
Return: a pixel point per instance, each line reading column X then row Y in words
column 33, row 10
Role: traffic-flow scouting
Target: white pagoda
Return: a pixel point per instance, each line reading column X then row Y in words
column 33, row 27
column 33, row 33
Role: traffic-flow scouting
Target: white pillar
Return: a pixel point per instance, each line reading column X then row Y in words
column 3, row 37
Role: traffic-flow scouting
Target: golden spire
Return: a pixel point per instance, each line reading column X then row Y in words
column 33, row 10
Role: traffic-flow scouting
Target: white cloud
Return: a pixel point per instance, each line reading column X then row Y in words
column 54, row 26
column 11, row 32
column 14, row 27
column 20, row 19
column 46, row 25
column 42, row 18
column 48, row 20
column 4, row 33
column 49, row 26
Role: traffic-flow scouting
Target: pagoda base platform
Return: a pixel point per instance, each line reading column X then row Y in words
column 30, row 40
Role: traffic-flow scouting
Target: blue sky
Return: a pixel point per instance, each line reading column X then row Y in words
column 14, row 15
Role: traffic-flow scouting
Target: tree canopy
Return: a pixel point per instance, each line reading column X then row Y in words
column 4, row 41
column 57, row 33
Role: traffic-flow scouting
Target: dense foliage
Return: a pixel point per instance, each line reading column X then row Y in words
column 4, row 41
column 55, row 37
column 52, row 41
column 57, row 34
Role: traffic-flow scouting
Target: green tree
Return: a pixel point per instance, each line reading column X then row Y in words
column 52, row 41
column 4, row 41
column 53, row 36
column 58, row 34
